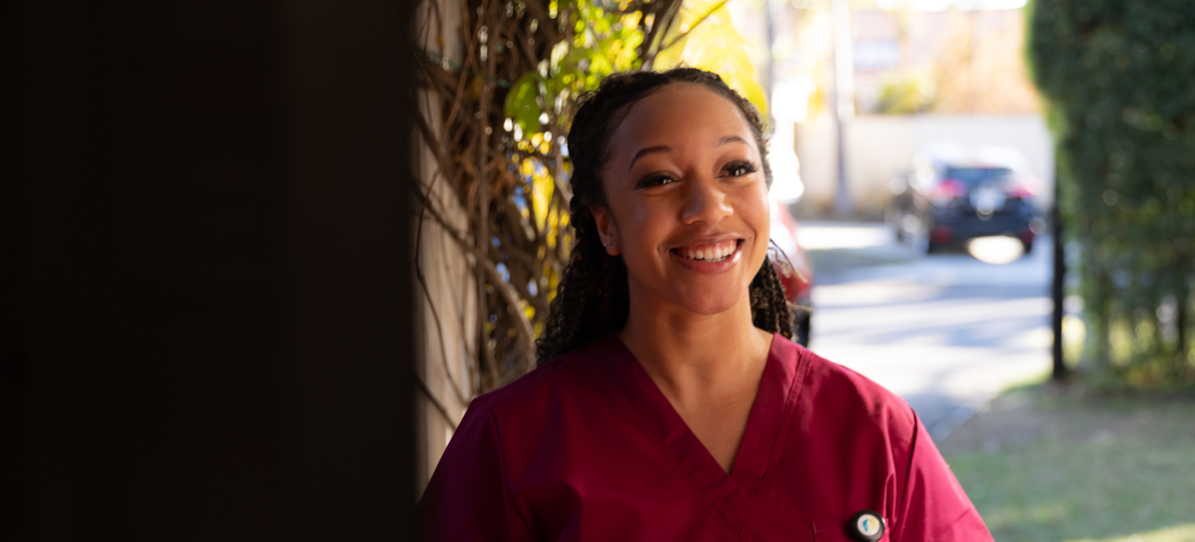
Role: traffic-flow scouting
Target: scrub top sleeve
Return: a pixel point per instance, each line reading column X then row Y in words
column 935, row 507
column 468, row 498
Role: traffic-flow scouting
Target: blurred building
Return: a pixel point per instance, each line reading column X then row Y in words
column 953, row 61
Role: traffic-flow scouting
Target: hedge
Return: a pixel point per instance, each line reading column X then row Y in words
column 1118, row 77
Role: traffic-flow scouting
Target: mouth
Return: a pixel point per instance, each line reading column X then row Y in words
column 716, row 252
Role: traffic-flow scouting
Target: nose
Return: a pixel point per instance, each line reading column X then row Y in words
column 705, row 202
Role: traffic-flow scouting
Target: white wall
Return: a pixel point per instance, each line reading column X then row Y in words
column 447, row 310
column 878, row 147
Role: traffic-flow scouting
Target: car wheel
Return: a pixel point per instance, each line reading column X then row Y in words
column 919, row 242
column 894, row 218
column 801, row 328
column 1028, row 246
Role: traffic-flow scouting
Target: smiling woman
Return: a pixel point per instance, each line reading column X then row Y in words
column 594, row 296
column 669, row 402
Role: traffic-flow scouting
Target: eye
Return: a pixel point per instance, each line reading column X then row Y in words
column 739, row 169
column 657, row 179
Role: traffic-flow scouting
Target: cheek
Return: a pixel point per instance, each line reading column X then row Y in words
column 754, row 209
column 643, row 224
column 756, row 213
column 644, row 235
column 638, row 230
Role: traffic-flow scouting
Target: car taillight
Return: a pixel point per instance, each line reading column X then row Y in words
column 947, row 190
column 941, row 234
column 1023, row 189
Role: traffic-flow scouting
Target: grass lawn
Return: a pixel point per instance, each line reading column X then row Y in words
column 1058, row 464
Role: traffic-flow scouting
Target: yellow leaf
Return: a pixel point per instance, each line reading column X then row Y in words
column 714, row 45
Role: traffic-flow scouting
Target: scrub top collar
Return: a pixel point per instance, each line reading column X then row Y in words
column 735, row 497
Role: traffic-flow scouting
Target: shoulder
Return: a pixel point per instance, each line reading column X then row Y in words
column 837, row 395
column 549, row 414
column 572, row 377
column 852, row 417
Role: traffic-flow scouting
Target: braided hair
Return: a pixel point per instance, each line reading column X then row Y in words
column 592, row 298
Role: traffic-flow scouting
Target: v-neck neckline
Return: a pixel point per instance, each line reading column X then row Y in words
column 732, row 496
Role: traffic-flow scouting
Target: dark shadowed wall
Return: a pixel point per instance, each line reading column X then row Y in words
column 204, row 271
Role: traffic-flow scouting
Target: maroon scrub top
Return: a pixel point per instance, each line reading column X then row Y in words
column 586, row 447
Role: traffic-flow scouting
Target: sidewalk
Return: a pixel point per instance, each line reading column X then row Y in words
column 946, row 332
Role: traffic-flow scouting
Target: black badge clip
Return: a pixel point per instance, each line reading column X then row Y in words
column 866, row 526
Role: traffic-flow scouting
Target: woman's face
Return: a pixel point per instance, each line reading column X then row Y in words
column 688, row 203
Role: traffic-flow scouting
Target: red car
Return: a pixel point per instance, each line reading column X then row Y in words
column 797, row 280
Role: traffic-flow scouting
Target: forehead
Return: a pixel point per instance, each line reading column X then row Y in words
column 679, row 112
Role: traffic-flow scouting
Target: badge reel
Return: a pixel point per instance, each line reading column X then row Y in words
column 866, row 526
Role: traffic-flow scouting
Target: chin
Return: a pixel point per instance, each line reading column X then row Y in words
column 711, row 304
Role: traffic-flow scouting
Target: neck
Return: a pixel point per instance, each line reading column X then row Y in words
column 696, row 357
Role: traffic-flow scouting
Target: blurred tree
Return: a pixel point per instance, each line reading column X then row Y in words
column 1117, row 77
column 496, row 128
column 905, row 94
column 982, row 66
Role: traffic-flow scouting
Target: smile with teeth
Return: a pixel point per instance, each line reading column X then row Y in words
column 709, row 253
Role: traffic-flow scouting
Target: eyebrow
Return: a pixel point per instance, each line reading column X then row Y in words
column 648, row 150
column 664, row 148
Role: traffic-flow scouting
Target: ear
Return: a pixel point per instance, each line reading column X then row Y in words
column 607, row 229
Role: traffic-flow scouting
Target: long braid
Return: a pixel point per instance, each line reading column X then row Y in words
column 592, row 298
column 770, row 310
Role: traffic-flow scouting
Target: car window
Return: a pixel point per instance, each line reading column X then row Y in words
column 973, row 175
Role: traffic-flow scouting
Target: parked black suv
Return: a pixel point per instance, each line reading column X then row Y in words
column 948, row 201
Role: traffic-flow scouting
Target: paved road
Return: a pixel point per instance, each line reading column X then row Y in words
column 944, row 331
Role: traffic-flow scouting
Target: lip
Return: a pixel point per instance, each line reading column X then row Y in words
column 701, row 266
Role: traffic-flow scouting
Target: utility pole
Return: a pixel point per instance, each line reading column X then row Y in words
column 972, row 72
column 786, row 179
column 844, row 101
column 1059, row 369
column 770, row 67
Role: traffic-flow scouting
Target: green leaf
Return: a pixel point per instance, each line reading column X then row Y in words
column 522, row 102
